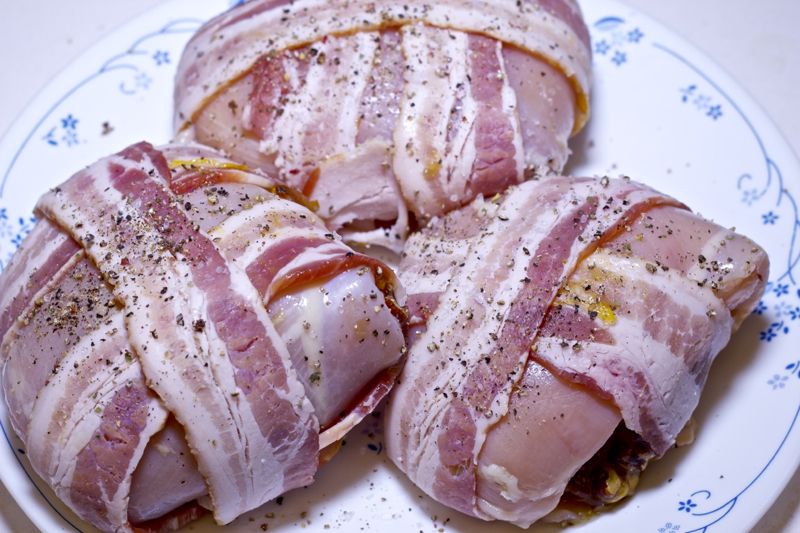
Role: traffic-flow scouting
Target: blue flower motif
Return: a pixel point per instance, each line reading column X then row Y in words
column 619, row 58
column 143, row 80
column 22, row 231
column 70, row 132
column 161, row 57
column 602, row 47
column 668, row 527
column 770, row 218
column 750, row 196
column 17, row 232
column 778, row 382
column 772, row 332
column 715, row 111
column 702, row 101
column 760, row 308
column 780, row 289
column 635, row 35
column 70, row 138
column 687, row 506
column 783, row 309
column 69, row 122
column 794, row 313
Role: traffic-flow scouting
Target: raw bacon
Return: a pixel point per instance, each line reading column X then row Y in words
column 172, row 314
column 375, row 110
column 543, row 319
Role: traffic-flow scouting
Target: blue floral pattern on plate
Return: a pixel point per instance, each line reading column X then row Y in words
column 707, row 100
column 66, row 136
column 614, row 39
column 701, row 101
column 64, row 131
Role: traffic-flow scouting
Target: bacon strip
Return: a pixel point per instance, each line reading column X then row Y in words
column 661, row 351
column 283, row 248
column 546, row 107
column 378, row 110
column 90, row 425
column 44, row 252
column 321, row 120
column 459, row 135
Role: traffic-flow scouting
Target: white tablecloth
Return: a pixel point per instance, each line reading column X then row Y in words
column 758, row 43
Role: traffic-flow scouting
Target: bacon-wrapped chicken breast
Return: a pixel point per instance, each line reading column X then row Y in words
column 376, row 108
column 179, row 334
column 562, row 334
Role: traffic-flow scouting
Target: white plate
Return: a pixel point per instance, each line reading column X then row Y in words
column 662, row 114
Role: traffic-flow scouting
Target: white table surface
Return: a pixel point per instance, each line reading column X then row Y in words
column 758, row 43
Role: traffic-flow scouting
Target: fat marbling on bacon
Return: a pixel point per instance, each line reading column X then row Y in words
column 562, row 334
column 375, row 109
column 180, row 334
